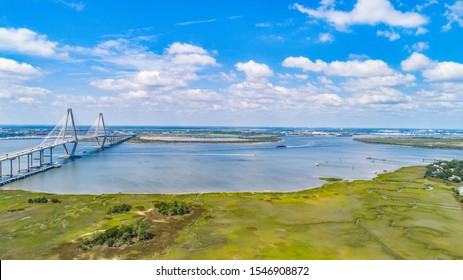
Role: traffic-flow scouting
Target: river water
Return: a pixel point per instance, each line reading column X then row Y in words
column 186, row 168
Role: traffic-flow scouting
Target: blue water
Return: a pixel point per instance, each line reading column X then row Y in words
column 185, row 168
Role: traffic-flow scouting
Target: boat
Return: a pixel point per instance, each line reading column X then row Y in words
column 344, row 134
column 281, row 146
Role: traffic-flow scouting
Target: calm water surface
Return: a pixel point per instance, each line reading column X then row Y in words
column 184, row 168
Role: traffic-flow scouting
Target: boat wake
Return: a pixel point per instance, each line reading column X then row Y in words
column 300, row 146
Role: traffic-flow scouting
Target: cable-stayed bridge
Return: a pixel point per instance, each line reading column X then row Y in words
column 39, row 158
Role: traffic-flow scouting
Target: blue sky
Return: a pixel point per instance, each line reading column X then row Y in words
column 364, row 63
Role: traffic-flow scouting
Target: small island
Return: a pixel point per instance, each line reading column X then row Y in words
column 422, row 142
column 330, row 179
column 206, row 138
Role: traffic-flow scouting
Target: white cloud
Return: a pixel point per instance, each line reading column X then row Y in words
column 77, row 6
column 254, row 70
column 382, row 95
column 183, row 48
column 28, row 42
column 10, row 89
column 433, row 70
column 420, row 31
column 428, row 3
column 324, row 80
column 355, row 68
column 326, row 99
column 431, row 100
column 193, row 59
column 444, row 71
column 360, row 57
column 143, row 80
column 16, row 70
column 230, row 77
column 449, row 87
column 252, row 89
column 437, row 96
column 139, row 94
column 420, row 46
column 325, row 38
column 391, row 35
column 197, row 95
column 454, row 14
column 148, row 71
column 327, row 3
column 26, row 100
column 195, row 22
column 370, row 12
column 361, row 84
column 262, row 95
column 129, row 54
column 70, row 100
column 30, row 91
column 351, row 68
column 287, row 76
column 301, row 76
column 305, row 64
column 13, row 75
column 416, row 61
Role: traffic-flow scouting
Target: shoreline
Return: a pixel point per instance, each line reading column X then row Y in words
column 267, row 191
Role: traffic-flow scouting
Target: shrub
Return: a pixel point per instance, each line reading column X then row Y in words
column 55, row 200
column 121, row 208
column 119, row 235
column 41, row 199
column 172, row 208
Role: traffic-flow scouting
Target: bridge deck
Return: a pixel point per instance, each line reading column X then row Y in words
column 24, row 152
column 13, row 155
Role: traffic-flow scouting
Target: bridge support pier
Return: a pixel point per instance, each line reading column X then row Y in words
column 29, row 160
column 11, row 167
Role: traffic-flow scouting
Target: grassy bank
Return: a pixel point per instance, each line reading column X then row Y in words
column 416, row 142
column 395, row 216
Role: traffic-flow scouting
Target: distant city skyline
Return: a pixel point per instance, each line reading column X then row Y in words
column 364, row 63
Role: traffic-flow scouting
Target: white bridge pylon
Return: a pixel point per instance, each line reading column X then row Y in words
column 65, row 134
column 73, row 138
column 97, row 130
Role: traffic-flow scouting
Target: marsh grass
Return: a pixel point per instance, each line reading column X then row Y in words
column 395, row 216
